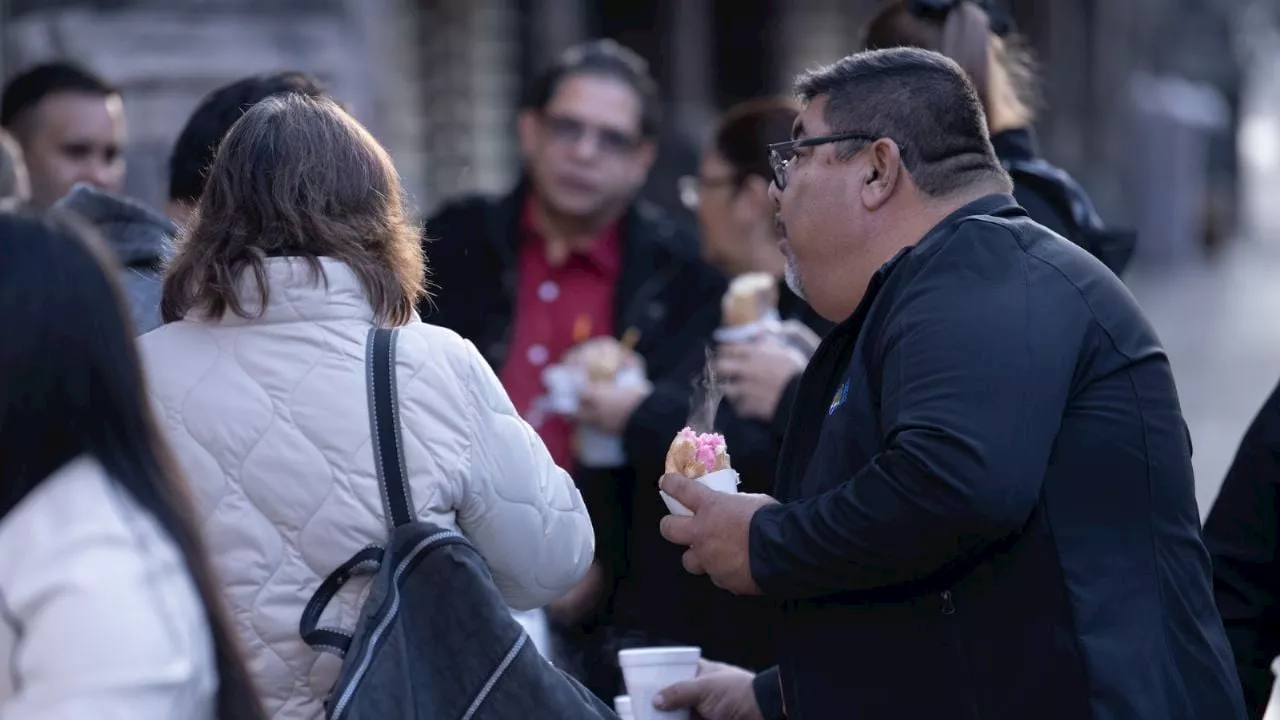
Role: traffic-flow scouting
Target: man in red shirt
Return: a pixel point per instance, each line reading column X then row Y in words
column 570, row 255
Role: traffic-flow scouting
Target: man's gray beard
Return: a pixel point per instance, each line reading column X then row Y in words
column 792, row 277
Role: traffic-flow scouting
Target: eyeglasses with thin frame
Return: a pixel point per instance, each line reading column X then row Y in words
column 781, row 154
column 570, row 131
column 690, row 188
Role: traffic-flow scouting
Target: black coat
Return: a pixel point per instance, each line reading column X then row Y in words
column 1020, row 144
column 1244, row 539
column 988, row 508
column 665, row 292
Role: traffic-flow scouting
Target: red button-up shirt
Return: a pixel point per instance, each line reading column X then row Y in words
column 556, row 308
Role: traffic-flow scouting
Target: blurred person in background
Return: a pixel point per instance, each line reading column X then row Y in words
column 730, row 196
column 140, row 238
column 570, row 255
column 108, row 605
column 71, row 126
column 980, row 38
column 212, row 119
column 1243, row 536
column 299, row 247
column 987, row 499
column 15, row 184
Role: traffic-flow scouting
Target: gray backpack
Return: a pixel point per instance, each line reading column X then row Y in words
column 435, row 639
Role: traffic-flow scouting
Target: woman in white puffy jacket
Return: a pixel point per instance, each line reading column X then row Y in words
column 108, row 606
column 300, row 245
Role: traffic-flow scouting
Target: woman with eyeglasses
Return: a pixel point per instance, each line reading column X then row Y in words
column 658, row 603
column 980, row 38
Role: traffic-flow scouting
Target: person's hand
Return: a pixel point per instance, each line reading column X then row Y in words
column 610, row 407
column 800, row 336
column 575, row 604
column 717, row 532
column 755, row 374
column 719, row 692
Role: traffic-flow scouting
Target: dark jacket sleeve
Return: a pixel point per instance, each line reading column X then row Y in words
column 1242, row 539
column 768, row 692
column 970, row 397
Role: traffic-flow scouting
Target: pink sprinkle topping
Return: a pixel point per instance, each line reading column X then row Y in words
column 706, row 445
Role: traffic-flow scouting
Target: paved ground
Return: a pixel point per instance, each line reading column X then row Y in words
column 1221, row 327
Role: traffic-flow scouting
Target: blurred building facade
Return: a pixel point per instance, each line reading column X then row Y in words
column 438, row 81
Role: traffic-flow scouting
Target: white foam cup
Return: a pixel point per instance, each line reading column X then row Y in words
column 649, row 671
column 622, row 706
column 1273, row 706
column 725, row 481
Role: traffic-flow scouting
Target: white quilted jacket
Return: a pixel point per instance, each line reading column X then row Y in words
column 269, row 419
column 99, row 617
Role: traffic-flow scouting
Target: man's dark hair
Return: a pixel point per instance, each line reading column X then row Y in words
column 194, row 150
column 601, row 58
column 918, row 98
column 26, row 89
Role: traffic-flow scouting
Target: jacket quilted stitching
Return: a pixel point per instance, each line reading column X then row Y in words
column 269, row 419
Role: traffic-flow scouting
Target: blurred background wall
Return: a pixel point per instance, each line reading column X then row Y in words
column 438, row 80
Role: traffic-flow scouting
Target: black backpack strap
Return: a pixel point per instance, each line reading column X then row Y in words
column 327, row 639
column 384, row 421
column 384, row 418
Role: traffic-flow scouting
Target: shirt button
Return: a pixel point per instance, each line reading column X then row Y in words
column 548, row 291
column 538, row 355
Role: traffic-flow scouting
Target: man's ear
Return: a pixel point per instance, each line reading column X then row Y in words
column 529, row 129
column 883, row 173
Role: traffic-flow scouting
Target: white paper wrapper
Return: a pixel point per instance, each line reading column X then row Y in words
column 622, row 706
column 597, row 449
column 746, row 333
column 564, row 383
column 725, row 481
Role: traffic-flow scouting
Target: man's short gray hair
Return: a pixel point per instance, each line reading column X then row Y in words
column 921, row 100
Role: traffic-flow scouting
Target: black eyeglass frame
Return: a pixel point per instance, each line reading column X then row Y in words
column 778, row 163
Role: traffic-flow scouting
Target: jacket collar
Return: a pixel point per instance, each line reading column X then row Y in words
column 296, row 294
column 1016, row 144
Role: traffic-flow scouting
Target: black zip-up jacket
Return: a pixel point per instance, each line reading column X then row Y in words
column 988, row 509
column 1243, row 535
column 665, row 292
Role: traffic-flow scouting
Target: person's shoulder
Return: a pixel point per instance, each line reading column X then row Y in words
column 425, row 344
column 677, row 248
column 460, row 212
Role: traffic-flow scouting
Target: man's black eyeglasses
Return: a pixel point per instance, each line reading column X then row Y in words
column 781, row 154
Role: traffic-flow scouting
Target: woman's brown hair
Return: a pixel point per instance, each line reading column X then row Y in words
column 744, row 134
column 297, row 176
column 1001, row 68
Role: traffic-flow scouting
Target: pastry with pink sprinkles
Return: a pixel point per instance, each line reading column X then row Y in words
column 695, row 454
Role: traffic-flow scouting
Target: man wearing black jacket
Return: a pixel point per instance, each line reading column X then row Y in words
column 985, row 504
column 1243, row 536
column 568, row 255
